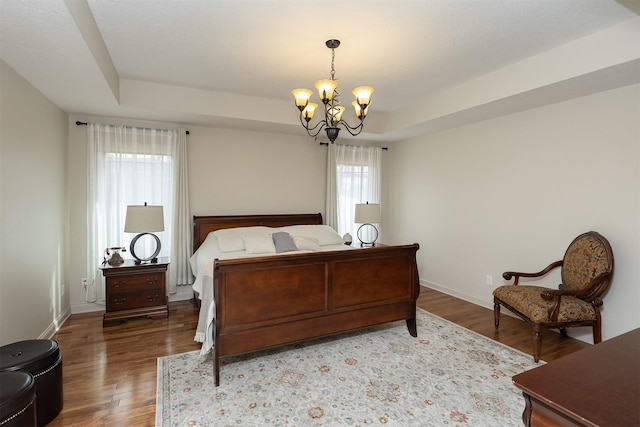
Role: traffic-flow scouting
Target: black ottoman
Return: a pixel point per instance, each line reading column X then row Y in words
column 17, row 399
column 42, row 359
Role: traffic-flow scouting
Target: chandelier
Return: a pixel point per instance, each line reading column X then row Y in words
column 328, row 93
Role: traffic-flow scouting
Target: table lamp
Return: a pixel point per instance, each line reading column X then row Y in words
column 144, row 220
column 367, row 214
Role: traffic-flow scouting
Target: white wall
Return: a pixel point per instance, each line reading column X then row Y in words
column 34, row 294
column 511, row 193
column 230, row 172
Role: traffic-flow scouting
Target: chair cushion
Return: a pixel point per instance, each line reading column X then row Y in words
column 527, row 300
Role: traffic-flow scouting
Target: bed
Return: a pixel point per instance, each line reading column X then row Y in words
column 252, row 300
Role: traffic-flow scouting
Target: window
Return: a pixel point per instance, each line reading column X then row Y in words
column 150, row 180
column 353, row 176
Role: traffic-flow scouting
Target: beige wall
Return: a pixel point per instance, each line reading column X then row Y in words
column 241, row 172
column 512, row 192
column 506, row 193
column 230, row 172
column 34, row 294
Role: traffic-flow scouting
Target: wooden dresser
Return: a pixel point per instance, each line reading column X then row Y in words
column 135, row 290
column 597, row 386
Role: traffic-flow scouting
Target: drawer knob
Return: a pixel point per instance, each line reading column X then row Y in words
column 119, row 301
column 152, row 281
column 121, row 284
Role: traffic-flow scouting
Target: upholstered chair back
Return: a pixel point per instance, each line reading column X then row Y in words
column 588, row 265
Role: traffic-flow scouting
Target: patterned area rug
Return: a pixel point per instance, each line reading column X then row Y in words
column 448, row 376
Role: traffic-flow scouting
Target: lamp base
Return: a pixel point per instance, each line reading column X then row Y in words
column 153, row 258
column 372, row 242
column 142, row 261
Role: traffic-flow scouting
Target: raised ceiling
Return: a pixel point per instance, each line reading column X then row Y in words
column 233, row 63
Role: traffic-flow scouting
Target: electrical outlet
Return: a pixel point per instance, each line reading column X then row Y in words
column 84, row 282
column 489, row 280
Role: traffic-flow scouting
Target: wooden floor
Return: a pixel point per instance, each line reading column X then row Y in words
column 110, row 373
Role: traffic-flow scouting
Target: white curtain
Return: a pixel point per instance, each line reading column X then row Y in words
column 181, row 243
column 353, row 176
column 131, row 166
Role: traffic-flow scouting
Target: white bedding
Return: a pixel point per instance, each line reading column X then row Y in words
column 202, row 261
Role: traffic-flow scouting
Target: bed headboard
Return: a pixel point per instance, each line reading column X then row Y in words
column 203, row 225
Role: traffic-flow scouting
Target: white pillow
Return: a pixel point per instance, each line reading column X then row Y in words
column 306, row 243
column 231, row 239
column 323, row 233
column 259, row 245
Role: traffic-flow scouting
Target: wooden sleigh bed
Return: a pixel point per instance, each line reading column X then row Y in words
column 267, row 301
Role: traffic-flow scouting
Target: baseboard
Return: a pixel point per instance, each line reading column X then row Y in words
column 87, row 307
column 56, row 324
column 184, row 293
column 460, row 295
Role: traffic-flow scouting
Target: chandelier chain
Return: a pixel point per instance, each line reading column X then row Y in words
column 333, row 70
column 336, row 96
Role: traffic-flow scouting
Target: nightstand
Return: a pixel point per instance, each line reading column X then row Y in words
column 135, row 290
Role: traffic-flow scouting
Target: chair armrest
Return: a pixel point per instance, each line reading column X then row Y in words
column 509, row 274
column 555, row 295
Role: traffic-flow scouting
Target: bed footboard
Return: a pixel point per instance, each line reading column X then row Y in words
column 269, row 301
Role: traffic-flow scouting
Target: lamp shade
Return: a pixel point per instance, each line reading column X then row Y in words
column 326, row 89
column 363, row 94
column 360, row 113
column 144, row 219
column 302, row 97
column 307, row 112
column 367, row 213
column 336, row 113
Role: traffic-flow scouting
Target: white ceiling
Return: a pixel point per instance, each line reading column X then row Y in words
column 232, row 63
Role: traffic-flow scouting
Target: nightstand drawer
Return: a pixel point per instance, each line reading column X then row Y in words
column 130, row 300
column 135, row 283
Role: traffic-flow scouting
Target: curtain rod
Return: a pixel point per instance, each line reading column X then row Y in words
column 327, row 144
column 79, row 123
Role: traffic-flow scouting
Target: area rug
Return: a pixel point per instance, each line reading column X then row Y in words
column 447, row 376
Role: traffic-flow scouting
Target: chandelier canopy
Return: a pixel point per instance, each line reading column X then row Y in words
column 328, row 93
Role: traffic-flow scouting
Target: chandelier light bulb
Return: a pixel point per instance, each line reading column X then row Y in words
column 307, row 112
column 326, row 89
column 360, row 113
column 336, row 113
column 363, row 94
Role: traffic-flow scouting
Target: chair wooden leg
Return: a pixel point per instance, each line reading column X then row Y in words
column 496, row 313
column 597, row 333
column 537, row 342
column 563, row 332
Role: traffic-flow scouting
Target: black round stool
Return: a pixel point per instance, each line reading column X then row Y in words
column 42, row 359
column 17, row 399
